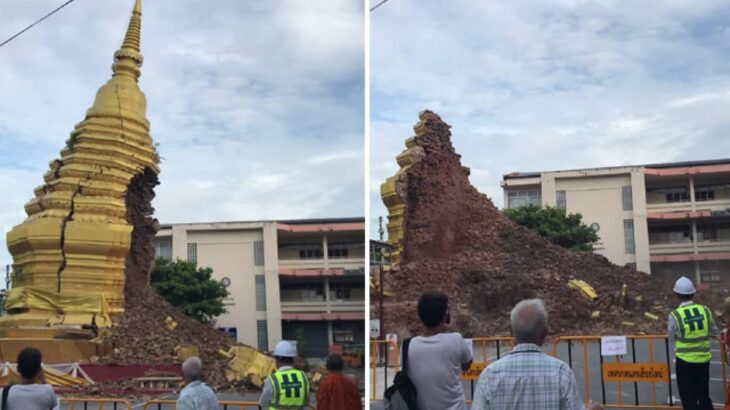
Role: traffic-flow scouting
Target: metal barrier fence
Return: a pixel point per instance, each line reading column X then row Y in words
column 646, row 355
column 83, row 403
column 225, row 405
column 645, row 370
column 382, row 353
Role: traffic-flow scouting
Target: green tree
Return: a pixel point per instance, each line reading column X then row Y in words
column 553, row 224
column 190, row 289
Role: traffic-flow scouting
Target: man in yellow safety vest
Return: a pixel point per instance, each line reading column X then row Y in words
column 287, row 388
column 690, row 327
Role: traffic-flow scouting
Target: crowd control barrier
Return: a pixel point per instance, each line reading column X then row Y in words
column 638, row 378
column 95, row 403
column 383, row 354
column 224, row 404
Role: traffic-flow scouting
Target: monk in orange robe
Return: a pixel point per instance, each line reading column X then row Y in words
column 337, row 392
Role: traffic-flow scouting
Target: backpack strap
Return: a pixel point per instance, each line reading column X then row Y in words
column 406, row 344
column 6, row 390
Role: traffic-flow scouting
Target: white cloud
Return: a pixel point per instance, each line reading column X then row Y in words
column 246, row 99
column 547, row 85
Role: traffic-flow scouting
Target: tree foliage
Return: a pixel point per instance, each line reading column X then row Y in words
column 190, row 289
column 553, row 224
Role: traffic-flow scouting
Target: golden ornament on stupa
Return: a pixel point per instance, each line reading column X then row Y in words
column 69, row 253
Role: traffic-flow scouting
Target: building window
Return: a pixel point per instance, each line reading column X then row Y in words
column 310, row 252
column 258, row 253
column 670, row 234
column 341, row 336
column 676, row 194
column 308, row 291
column 631, row 265
column 163, row 249
column 518, row 199
column 626, row 198
column 262, row 335
column 629, row 246
column 560, row 200
column 704, row 194
column 260, row 293
column 707, row 233
column 193, row 253
column 337, row 251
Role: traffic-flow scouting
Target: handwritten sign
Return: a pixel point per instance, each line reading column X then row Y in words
column 613, row 345
column 635, row 372
column 473, row 372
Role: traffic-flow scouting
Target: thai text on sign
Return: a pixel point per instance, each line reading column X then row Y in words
column 613, row 345
column 473, row 372
column 635, row 372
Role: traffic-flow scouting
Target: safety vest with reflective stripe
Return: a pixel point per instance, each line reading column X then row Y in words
column 289, row 390
column 692, row 337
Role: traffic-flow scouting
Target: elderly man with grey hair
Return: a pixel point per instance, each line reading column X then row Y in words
column 527, row 378
column 196, row 395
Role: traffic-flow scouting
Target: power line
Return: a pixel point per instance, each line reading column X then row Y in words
column 41, row 19
column 378, row 5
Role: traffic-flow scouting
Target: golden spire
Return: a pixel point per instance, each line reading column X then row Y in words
column 128, row 59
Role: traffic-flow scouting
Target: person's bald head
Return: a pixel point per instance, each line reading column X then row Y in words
column 192, row 369
column 529, row 321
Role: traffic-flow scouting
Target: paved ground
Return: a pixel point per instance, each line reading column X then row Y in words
column 626, row 393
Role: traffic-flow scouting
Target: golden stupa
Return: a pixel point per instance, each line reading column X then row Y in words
column 393, row 190
column 69, row 254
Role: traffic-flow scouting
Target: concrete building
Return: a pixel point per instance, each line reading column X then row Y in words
column 301, row 280
column 667, row 219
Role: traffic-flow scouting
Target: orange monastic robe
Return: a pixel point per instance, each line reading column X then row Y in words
column 337, row 392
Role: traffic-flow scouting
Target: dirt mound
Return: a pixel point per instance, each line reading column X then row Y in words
column 141, row 336
column 456, row 241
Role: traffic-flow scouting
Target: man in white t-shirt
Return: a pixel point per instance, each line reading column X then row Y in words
column 32, row 393
column 436, row 359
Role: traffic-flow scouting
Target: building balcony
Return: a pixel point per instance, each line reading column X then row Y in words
column 302, row 263
column 321, row 267
column 688, row 209
column 303, row 306
column 689, row 247
column 351, row 305
column 348, row 264
column 690, row 251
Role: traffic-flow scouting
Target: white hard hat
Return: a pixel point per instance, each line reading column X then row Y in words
column 684, row 286
column 285, row 349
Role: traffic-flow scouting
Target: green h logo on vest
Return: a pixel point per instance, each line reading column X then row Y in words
column 694, row 319
column 290, row 383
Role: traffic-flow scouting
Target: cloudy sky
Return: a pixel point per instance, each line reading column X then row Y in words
column 551, row 84
column 257, row 106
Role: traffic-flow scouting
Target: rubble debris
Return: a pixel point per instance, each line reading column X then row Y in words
column 170, row 323
column 651, row 316
column 456, row 241
column 585, row 289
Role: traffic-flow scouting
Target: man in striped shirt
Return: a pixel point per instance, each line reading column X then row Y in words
column 527, row 378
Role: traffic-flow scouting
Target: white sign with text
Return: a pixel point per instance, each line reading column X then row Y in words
column 613, row 345
column 470, row 346
column 374, row 328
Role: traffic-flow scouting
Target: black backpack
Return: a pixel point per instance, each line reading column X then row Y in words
column 6, row 390
column 402, row 394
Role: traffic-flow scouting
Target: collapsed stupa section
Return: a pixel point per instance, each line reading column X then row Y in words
column 450, row 237
column 69, row 255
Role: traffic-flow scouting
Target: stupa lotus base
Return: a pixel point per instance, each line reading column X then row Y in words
column 63, row 342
